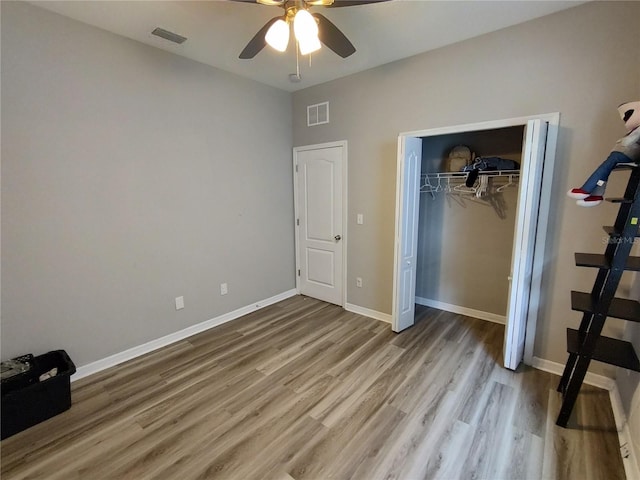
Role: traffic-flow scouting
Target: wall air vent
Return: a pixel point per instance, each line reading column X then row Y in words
column 317, row 114
column 167, row 35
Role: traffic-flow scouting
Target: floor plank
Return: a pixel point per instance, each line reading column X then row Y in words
column 305, row 390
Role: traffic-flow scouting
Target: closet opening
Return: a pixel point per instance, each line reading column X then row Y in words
column 472, row 242
column 465, row 227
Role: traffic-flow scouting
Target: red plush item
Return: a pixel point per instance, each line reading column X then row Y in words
column 577, row 193
column 590, row 201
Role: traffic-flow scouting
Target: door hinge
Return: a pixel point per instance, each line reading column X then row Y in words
column 298, row 221
column 298, row 272
column 296, row 168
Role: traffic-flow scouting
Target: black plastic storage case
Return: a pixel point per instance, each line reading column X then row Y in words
column 27, row 401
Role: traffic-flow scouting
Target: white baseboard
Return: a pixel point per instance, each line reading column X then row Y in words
column 384, row 317
column 557, row 368
column 629, row 460
column 627, row 444
column 131, row 353
column 616, row 406
column 469, row 312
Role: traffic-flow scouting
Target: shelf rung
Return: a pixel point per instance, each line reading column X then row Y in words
column 607, row 350
column 626, row 166
column 597, row 260
column 619, row 200
column 615, row 233
column 619, row 308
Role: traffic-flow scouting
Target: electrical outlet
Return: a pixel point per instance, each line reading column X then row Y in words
column 179, row 303
column 359, row 282
column 224, row 289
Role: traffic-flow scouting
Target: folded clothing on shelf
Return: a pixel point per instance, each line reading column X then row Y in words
column 492, row 163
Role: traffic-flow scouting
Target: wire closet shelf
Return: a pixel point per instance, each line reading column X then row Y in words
column 455, row 182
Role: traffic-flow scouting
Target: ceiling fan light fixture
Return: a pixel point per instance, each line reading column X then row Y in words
column 322, row 3
column 278, row 35
column 305, row 29
column 304, row 26
column 309, row 45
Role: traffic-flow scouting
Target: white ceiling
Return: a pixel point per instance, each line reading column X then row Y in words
column 218, row 30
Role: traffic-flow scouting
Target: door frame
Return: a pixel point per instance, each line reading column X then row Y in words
column 296, row 209
column 553, row 120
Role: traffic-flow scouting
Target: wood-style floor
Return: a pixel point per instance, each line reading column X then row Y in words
column 304, row 390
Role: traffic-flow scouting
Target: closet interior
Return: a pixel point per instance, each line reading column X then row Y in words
column 466, row 227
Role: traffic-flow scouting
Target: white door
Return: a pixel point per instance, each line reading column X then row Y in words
column 319, row 180
column 406, row 244
column 524, row 242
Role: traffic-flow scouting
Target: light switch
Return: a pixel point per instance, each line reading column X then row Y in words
column 179, row 303
column 360, row 219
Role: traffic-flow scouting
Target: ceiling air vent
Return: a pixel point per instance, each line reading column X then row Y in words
column 317, row 114
column 167, row 35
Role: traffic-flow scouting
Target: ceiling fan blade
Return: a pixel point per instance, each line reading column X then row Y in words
column 353, row 3
column 258, row 42
column 332, row 37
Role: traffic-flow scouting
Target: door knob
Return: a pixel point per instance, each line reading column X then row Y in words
column 338, row 238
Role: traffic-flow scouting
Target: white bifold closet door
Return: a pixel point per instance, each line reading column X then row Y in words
column 524, row 241
column 406, row 245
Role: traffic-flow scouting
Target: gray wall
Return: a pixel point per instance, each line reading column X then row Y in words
column 131, row 176
column 465, row 243
column 582, row 62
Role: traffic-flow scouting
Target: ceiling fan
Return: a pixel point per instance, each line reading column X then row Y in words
column 310, row 29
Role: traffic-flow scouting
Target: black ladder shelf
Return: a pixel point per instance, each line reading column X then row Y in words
column 586, row 343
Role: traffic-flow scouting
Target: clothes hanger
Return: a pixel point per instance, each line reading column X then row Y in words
column 503, row 187
column 482, row 188
column 447, row 189
column 426, row 187
column 464, row 189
